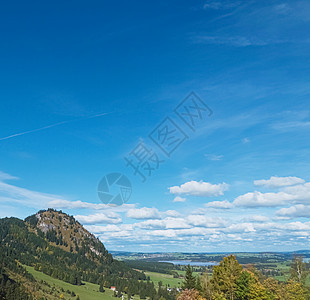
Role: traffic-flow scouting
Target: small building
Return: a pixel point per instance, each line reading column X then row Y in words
column 113, row 288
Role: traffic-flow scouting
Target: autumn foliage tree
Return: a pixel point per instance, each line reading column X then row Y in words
column 190, row 294
column 294, row 291
column 298, row 270
column 225, row 276
column 230, row 281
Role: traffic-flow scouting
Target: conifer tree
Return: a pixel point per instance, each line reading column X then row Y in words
column 190, row 280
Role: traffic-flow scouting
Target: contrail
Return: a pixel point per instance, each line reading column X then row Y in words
column 50, row 126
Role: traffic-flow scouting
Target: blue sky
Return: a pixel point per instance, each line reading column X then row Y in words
column 83, row 83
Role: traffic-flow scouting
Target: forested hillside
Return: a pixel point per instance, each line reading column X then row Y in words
column 55, row 244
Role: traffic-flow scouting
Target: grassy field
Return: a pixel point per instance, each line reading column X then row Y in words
column 182, row 272
column 88, row 291
column 166, row 279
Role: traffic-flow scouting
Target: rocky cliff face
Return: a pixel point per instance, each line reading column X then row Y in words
column 65, row 232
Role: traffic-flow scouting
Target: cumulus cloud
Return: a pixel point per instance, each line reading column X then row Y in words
column 200, row 188
column 219, row 204
column 151, row 224
column 296, row 211
column 257, row 199
column 257, row 218
column 196, row 229
column 168, row 223
column 179, row 199
column 205, row 221
column 143, row 213
column 101, row 229
column 66, row 204
column 296, row 194
column 172, row 213
column 240, row 227
column 156, row 232
column 163, row 233
column 276, row 182
column 300, row 193
column 100, row 218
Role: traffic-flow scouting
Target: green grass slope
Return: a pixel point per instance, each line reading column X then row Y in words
column 87, row 291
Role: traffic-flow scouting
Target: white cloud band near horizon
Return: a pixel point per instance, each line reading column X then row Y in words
column 214, row 223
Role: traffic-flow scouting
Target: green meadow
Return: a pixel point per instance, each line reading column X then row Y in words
column 87, row 291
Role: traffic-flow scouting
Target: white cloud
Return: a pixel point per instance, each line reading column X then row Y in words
column 196, row 230
column 257, row 218
column 200, row 188
column 296, row 211
column 101, row 229
column 151, row 224
column 205, row 221
column 14, row 194
column 257, row 199
column 99, row 218
column 143, row 213
column 109, row 228
column 296, row 194
column 120, row 234
column 168, row 223
column 172, row 213
column 157, row 232
column 275, row 182
column 219, row 204
column 300, row 193
column 6, row 176
column 240, row 227
column 163, row 233
column 176, row 223
column 65, row 204
column 179, row 199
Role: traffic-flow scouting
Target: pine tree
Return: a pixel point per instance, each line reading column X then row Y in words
column 190, row 280
column 198, row 286
column 243, row 285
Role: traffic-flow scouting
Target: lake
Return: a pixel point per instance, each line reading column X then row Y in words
column 192, row 263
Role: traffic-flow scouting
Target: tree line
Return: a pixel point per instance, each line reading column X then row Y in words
column 233, row 282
